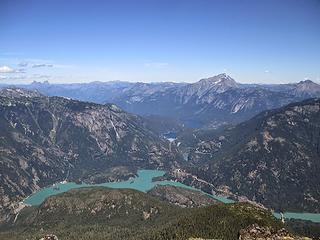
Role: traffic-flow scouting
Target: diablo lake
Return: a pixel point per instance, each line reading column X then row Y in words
column 143, row 182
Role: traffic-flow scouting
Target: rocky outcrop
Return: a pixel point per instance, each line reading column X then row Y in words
column 255, row 232
column 49, row 237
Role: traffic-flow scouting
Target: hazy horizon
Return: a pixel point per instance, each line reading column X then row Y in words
column 151, row 82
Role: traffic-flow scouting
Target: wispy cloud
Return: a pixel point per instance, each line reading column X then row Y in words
column 14, row 69
column 266, row 71
column 42, row 65
column 7, row 69
column 64, row 66
column 23, row 64
column 24, row 77
column 9, row 78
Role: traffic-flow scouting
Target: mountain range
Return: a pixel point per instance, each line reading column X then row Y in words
column 215, row 101
column 210, row 102
column 48, row 139
column 255, row 143
column 273, row 158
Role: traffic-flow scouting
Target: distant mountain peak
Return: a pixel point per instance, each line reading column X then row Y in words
column 222, row 78
column 212, row 85
column 219, row 83
column 222, row 75
column 307, row 88
column 307, row 81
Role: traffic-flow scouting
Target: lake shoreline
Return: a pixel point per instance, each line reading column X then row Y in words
column 143, row 182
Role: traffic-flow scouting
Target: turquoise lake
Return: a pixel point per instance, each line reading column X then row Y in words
column 143, row 182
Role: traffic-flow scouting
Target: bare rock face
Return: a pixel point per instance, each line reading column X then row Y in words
column 255, row 232
column 272, row 159
column 19, row 93
column 48, row 139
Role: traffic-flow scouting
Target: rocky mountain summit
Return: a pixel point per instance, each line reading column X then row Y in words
column 219, row 84
column 254, row 232
column 306, row 88
column 302, row 89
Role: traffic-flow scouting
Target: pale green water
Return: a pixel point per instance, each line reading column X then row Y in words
column 314, row 217
column 144, row 183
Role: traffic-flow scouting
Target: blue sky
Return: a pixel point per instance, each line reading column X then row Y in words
column 271, row 41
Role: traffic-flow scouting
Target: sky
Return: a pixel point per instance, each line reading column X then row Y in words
column 265, row 41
